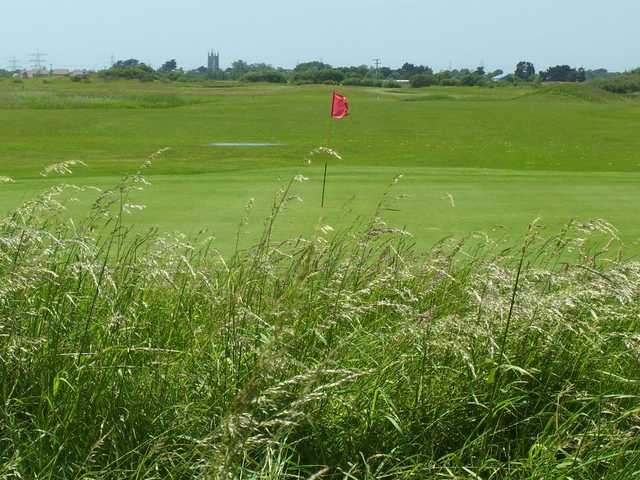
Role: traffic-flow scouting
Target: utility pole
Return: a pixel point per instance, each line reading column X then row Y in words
column 13, row 64
column 37, row 60
column 377, row 63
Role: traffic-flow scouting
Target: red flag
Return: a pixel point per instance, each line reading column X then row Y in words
column 340, row 106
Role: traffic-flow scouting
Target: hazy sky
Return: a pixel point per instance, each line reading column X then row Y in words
column 461, row 33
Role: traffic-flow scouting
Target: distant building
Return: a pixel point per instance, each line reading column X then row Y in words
column 60, row 72
column 35, row 72
column 502, row 76
column 213, row 61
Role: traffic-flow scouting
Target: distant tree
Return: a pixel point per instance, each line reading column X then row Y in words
column 168, row 66
column 495, row 73
column 132, row 69
column 355, row 72
column 385, row 72
column 480, row 71
column 446, row 78
column 132, row 62
column 525, row 71
column 238, row 69
column 314, row 65
column 409, row 70
column 473, row 78
column 563, row 73
column 597, row 73
column 266, row 75
column 325, row 75
column 423, row 80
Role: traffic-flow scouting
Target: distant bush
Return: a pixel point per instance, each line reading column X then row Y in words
column 364, row 82
column 269, row 76
column 473, row 79
column 129, row 69
column 449, row 82
column 623, row 84
column 352, row 81
column 370, row 82
column 317, row 76
column 80, row 78
column 391, row 84
column 423, row 80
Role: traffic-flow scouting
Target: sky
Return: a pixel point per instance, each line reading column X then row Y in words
column 443, row 33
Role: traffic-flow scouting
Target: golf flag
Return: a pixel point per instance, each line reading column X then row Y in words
column 340, row 106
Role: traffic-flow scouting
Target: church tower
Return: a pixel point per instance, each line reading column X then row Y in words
column 213, row 61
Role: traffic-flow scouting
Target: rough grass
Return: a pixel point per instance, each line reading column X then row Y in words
column 43, row 100
column 339, row 355
column 588, row 92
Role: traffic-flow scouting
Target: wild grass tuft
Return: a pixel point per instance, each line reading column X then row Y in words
column 344, row 355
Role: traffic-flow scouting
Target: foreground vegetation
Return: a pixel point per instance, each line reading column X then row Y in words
column 341, row 355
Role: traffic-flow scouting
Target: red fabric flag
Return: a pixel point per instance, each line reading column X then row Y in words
column 340, row 106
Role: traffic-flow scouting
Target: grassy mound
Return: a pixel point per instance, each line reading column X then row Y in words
column 344, row 355
column 586, row 92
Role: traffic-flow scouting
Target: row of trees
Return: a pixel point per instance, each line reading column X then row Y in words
column 526, row 72
column 316, row 72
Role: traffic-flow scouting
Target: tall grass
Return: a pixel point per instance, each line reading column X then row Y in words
column 345, row 355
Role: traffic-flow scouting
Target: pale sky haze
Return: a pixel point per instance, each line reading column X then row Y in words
column 460, row 33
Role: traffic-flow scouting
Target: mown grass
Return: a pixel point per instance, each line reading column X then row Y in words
column 503, row 155
column 345, row 354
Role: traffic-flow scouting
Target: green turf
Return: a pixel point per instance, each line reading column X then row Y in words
column 471, row 158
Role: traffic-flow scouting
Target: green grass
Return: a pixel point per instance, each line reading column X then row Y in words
column 505, row 155
column 265, row 344
column 139, row 355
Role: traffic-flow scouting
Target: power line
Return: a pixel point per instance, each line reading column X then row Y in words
column 37, row 60
column 377, row 63
column 13, row 64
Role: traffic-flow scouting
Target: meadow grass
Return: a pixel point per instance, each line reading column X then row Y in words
column 34, row 100
column 345, row 354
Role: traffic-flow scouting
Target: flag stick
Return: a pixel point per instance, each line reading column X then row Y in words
column 324, row 181
column 326, row 160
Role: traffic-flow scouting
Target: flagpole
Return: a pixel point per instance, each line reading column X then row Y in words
column 324, row 182
column 326, row 160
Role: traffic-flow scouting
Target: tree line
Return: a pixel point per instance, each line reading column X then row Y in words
column 317, row 72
